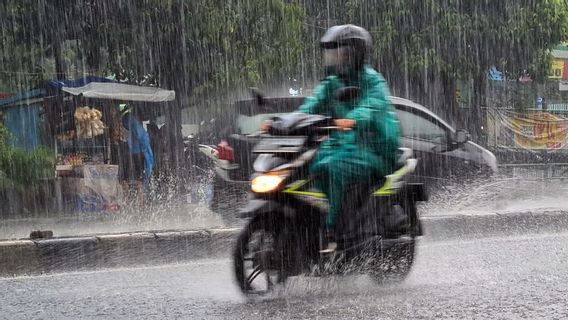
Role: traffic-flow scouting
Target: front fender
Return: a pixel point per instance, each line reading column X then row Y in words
column 257, row 207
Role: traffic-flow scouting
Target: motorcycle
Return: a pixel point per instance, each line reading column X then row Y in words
column 284, row 233
column 199, row 170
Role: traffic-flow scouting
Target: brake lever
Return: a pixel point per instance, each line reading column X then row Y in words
column 329, row 128
column 334, row 129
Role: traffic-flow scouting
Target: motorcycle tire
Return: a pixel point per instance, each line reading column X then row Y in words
column 395, row 263
column 274, row 258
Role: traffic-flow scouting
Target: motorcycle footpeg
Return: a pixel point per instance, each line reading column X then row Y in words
column 329, row 249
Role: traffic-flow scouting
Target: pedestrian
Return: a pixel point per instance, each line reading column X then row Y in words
column 140, row 155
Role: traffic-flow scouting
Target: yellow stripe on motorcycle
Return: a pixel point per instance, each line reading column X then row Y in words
column 387, row 188
column 293, row 189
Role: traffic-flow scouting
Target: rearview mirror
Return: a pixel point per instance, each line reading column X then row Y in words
column 461, row 137
column 346, row 94
column 258, row 96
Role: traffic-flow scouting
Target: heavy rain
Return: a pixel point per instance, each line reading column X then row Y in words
column 283, row 159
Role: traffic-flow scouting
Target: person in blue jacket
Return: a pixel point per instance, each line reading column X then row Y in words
column 141, row 158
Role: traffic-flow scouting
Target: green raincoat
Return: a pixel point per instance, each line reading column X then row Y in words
column 368, row 151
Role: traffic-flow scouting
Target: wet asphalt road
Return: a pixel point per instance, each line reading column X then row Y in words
column 511, row 277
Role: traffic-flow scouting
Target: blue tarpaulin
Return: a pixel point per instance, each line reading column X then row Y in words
column 22, row 117
column 20, row 98
column 22, row 122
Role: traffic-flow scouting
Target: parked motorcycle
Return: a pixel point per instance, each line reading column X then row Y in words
column 198, row 173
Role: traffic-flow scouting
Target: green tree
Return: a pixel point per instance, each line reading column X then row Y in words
column 203, row 43
column 425, row 46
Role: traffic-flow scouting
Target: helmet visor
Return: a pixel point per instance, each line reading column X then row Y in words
column 335, row 57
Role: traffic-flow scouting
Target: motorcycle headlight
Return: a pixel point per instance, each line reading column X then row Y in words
column 267, row 182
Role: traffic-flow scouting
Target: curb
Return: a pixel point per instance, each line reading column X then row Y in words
column 495, row 224
column 31, row 257
column 19, row 257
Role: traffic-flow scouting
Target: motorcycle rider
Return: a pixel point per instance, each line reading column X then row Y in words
column 366, row 146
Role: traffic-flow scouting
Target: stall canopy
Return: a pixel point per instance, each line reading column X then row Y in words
column 102, row 88
column 118, row 91
column 59, row 84
column 101, row 94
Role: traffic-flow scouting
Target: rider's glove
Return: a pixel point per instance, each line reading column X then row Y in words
column 345, row 124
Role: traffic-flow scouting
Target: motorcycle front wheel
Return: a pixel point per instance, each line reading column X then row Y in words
column 258, row 259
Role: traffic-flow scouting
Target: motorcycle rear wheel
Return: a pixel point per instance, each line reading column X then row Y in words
column 394, row 263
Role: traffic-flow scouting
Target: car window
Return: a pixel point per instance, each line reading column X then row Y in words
column 250, row 115
column 272, row 105
column 251, row 124
column 417, row 127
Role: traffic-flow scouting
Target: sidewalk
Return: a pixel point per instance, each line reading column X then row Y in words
column 498, row 196
column 158, row 218
column 487, row 197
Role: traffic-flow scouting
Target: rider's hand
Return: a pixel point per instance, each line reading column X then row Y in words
column 345, row 124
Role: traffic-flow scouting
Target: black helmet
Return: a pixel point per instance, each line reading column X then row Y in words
column 346, row 35
column 357, row 39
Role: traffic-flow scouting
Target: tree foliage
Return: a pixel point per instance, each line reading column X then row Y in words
column 185, row 45
column 454, row 38
column 204, row 47
column 424, row 47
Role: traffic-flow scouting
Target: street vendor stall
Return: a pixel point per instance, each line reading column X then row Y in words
column 89, row 135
